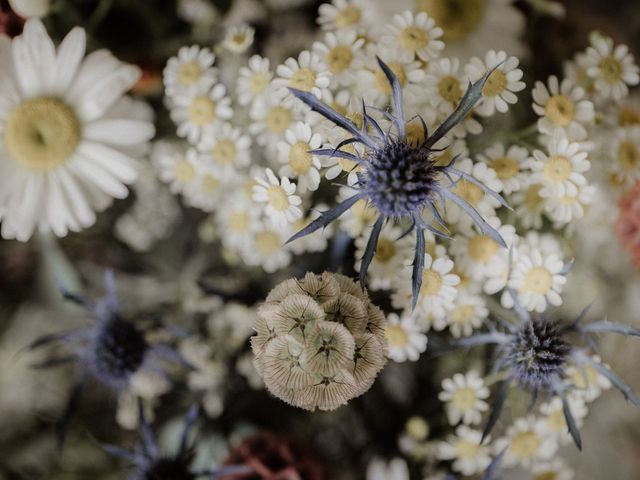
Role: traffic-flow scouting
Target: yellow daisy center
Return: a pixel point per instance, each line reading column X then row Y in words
column 339, row 58
column 239, row 221
column 537, row 280
column 41, row 133
column 505, row 167
column 267, row 243
column 557, row 168
column 556, row 422
column 184, row 171
column 278, row 119
column 450, row 89
column 347, row 165
column 189, row 74
column 457, row 18
column 495, row 85
column 584, row 377
column 470, row 192
column 363, row 211
column 258, row 83
column 545, row 476
column 415, row 133
column 396, row 336
column 560, row 110
column 300, row 160
column 628, row 155
column 381, row 82
column 482, row 248
column 525, row 444
column 532, row 198
column 201, row 111
column 210, row 184
column 348, row 16
column 466, row 449
column 418, row 428
column 611, row 69
column 225, row 152
column 463, row 314
column 385, row 251
column 431, row 283
column 464, row 399
column 414, row 38
column 277, row 198
column 303, row 79
column 628, row 116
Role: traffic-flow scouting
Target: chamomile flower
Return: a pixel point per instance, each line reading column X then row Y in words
column 341, row 52
column 70, row 138
column 625, row 151
column 299, row 161
column 562, row 107
column 586, row 380
column 553, row 418
column 282, row 205
column 344, row 15
column 412, row 37
column 207, row 188
column 237, row 221
column 189, row 71
column 396, row 469
column 526, row 443
column 227, row 148
column 239, row 38
column 376, row 87
column 500, row 90
column 612, row 68
column 200, row 109
column 391, row 255
column 562, row 210
column 405, row 339
column 555, row 469
column 469, row 312
column 561, row 171
column 253, row 80
column 175, row 166
column 307, row 74
column 508, row 163
column 265, row 249
column 529, row 205
column 271, row 119
column 469, row 453
column 537, row 279
column 464, row 396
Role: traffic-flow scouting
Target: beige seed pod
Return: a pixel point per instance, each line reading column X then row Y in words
column 319, row 341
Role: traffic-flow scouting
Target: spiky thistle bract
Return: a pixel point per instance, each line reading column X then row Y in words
column 535, row 352
column 110, row 350
column 150, row 463
column 399, row 178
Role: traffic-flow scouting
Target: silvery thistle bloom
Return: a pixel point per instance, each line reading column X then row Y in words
column 399, row 179
column 536, row 352
column 110, row 350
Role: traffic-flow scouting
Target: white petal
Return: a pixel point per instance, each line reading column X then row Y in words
column 119, row 132
column 70, row 54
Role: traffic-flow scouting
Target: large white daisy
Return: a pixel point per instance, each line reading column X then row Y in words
column 68, row 138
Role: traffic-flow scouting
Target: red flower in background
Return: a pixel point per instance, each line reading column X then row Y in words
column 10, row 22
column 628, row 224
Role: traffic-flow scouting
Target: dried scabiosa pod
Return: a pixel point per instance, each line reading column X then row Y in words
column 319, row 341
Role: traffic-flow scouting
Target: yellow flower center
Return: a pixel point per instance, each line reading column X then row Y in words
column 450, row 89
column 457, row 18
column 277, row 198
column 628, row 116
column 225, row 152
column 239, row 221
column 385, row 251
column 339, row 58
column 525, row 444
column 303, row 79
column 537, row 280
column 584, row 377
column 414, row 38
column 41, row 133
column 210, row 184
column 495, row 85
column 464, row 399
column 348, row 16
column 444, row 158
column 418, row 428
column 470, row 192
column 611, row 69
column 532, row 198
column 267, row 243
column 184, row 171
column 463, row 314
column 556, row 422
column 505, row 167
column 415, row 133
column 557, row 168
column 363, row 211
column 381, row 82
column 278, row 119
column 396, row 336
column 258, row 83
column 466, row 449
column 239, row 38
column 546, row 476
column 189, row 74
column 628, row 155
column 560, row 110
column 300, row 160
column 482, row 248
column 431, row 283
column 347, row 165
column 201, row 111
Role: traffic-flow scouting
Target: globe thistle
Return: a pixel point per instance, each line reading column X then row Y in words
column 536, row 354
column 320, row 341
column 110, row 350
column 398, row 177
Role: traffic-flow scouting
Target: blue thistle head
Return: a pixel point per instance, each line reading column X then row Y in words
column 399, row 178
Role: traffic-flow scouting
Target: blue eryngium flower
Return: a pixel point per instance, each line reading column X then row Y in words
column 110, row 350
column 151, row 464
column 398, row 178
column 534, row 354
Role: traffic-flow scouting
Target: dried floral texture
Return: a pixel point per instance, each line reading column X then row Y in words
column 628, row 224
column 320, row 341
